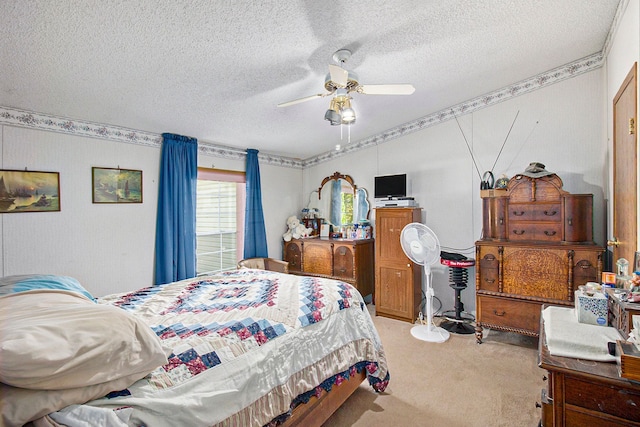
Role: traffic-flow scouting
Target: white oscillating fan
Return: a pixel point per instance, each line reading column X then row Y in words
column 421, row 245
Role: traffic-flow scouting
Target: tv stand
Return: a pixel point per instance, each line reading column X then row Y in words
column 401, row 202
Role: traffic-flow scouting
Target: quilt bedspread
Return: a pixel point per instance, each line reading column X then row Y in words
column 235, row 338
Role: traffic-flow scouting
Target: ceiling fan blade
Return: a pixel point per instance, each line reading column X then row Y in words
column 306, row 98
column 339, row 76
column 399, row 89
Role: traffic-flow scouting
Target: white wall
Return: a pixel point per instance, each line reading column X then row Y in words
column 107, row 247
column 561, row 126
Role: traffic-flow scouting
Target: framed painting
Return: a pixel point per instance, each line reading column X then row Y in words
column 115, row 185
column 29, row 191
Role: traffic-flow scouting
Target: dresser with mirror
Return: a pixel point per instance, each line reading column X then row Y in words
column 338, row 202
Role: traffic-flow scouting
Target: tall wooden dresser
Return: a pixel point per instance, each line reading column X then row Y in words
column 348, row 260
column 398, row 280
column 537, row 248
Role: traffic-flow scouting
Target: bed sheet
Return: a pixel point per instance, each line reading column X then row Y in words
column 242, row 345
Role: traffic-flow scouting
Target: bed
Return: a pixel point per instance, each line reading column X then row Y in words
column 242, row 348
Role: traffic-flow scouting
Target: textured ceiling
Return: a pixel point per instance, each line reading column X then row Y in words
column 216, row 70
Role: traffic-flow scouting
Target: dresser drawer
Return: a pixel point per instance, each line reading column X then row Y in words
column 509, row 313
column 578, row 218
column 488, row 270
column 494, row 220
column 600, row 398
column 535, row 212
column 317, row 258
column 343, row 262
column 489, row 279
column 293, row 255
column 542, row 231
column 613, row 313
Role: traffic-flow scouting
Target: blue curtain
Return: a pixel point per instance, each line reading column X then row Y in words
column 176, row 224
column 255, row 234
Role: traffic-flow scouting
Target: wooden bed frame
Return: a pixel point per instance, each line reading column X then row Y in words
column 318, row 410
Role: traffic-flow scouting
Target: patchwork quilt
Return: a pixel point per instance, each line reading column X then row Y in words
column 244, row 346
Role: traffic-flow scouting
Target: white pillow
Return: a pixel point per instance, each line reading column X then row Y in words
column 18, row 406
column 56, row 340
column 41, row 282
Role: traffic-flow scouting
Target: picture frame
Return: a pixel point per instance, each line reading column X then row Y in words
column 29, row 191
column 636, row 262
column 115, row 185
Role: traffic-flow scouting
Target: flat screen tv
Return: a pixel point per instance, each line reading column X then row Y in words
column 388, row 186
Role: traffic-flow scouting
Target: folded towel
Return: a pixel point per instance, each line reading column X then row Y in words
column 569, row 338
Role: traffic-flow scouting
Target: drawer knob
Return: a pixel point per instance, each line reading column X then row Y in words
column 489, row 280
column 502, row 313
column 550, row 233
column 550, row 213
column 518, row 213
column 518, row 232
column 501, row 221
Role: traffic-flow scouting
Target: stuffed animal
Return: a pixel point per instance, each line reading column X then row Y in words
column 295, row 230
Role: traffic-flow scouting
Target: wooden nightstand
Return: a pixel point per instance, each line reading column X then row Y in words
column 585, row 393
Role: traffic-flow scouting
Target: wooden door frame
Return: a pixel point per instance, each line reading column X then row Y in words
column 621, row 90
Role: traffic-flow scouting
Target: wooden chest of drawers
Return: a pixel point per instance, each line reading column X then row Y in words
column 514, row 279
column 536, row 249
column 538, row 210
column 351, row 261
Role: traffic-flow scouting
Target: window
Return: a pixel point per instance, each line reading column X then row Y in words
column 220, row 201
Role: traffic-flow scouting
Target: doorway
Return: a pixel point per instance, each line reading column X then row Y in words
column 625, row 171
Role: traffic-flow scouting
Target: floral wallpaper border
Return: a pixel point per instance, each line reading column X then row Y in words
column 12, row 116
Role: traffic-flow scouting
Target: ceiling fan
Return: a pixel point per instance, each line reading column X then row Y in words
column 340, row 83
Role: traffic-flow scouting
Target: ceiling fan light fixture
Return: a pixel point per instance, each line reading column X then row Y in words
column 347, row 113
column 333, row 117
column 339, row 83
column 348, row 116
column 333, row 113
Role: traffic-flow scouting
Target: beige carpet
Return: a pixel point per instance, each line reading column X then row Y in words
column 456, row 383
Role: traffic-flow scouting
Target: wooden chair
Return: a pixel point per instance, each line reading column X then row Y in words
column 270, row 264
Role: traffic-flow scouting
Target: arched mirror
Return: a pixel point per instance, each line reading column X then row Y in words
column 339, row 201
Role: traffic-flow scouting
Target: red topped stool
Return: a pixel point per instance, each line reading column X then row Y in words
column 457, row 320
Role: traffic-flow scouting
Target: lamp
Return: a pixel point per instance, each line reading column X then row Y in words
column 347, row 113
column 332, row 114
column 340, row 111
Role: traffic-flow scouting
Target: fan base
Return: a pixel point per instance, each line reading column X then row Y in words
column 458, row 327
column 430, row 333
